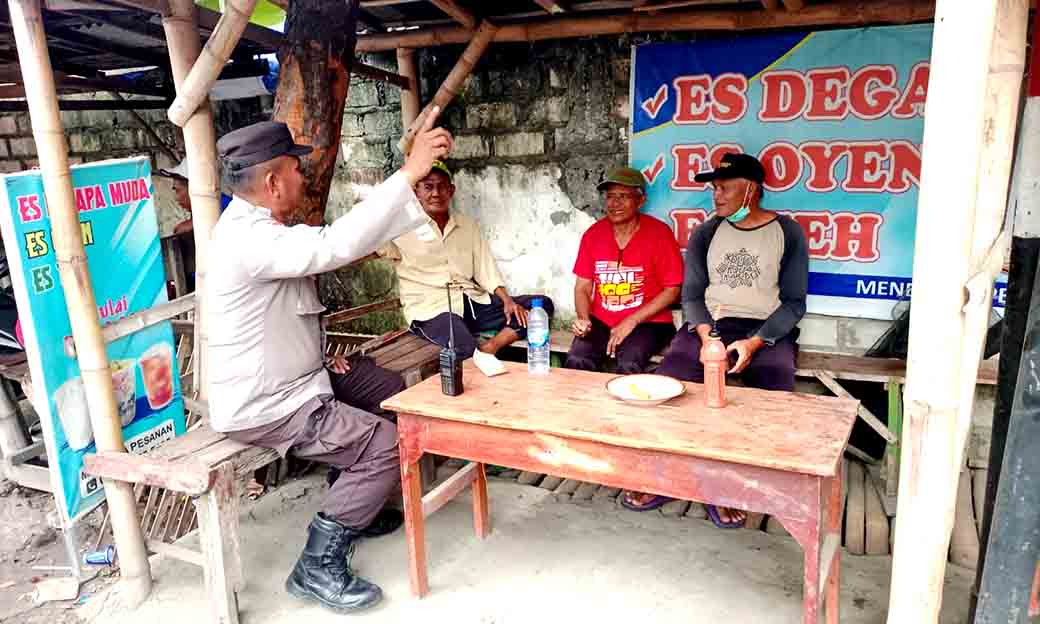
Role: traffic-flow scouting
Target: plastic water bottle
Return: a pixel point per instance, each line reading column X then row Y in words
column 537, row 339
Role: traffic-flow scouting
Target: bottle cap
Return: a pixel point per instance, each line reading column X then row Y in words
column 536, row 302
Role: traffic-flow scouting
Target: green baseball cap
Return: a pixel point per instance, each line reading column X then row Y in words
column 438, row 165
column 625, row 176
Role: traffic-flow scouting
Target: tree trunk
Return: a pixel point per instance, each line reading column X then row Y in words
column 312, row 89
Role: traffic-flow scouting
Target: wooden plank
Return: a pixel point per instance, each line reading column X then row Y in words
column 978, row 491
column 964, row 541
column 876, row 525
column 180, row 553
column 551, row 6
column 550, row 482
column 414, row 520
column 855, row 512
column 448, row 490
column 789, row 495
column 868, row 417
column 183, row 476
column 218, row 536
column 782, row 430
column 529, row 478
column 32, row 451
column 138, row 321
column 359, row 311
column 481, row 522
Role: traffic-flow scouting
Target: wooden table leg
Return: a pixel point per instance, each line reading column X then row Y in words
column 832, row 531
column 414, row 524
column 480, row 504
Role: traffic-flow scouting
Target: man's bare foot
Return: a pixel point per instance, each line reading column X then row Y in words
column 732, row 515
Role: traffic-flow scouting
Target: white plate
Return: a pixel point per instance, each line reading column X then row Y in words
column 645, row 389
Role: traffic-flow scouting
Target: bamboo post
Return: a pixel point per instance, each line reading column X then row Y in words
column 34, row 59
column 410, row 103
column 453, row 83
column 200, row 143
column 970, row 117
column 194, row 88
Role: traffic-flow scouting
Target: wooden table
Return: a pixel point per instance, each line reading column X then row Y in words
column 773, row 452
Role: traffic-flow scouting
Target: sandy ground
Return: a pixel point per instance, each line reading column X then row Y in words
column 545, row 561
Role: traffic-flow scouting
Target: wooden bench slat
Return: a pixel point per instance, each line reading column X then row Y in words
column 425, row 353
column 188, row 444
column 185, row 475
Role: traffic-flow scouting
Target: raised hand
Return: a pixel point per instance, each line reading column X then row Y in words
column 430, row 144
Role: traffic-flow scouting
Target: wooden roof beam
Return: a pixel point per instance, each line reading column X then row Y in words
column 550, row 6
column 794, row 5
column 861, row 13
column 457, row 12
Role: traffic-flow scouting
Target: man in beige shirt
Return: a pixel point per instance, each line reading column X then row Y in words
column 267, row 380
column 450, row 248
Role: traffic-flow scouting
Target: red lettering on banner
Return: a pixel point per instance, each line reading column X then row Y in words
column 856, row 236
column 816, row 226
column 914, row 94
column 841, row 235
column 692, row 106
column 783, row 165
column 865, row 174
column 905, row 166
column 827, row 85
column 29, row 208
column 127, row 191
column 684, row 222
column 872, row 91
column 693, row 159
column 700, row 99
column 784, row 96
column 90, row 198
column 729, row 98
column 689, row 161
column 822, row 158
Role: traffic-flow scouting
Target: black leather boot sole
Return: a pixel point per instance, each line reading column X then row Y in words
column 301, row 592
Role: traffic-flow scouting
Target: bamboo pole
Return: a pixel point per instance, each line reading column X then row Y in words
column 34, row 59
column 200, row 142
column 410, row 103
column 969, row 124
column 457, row 12
column 453, row 83
column 194, row 88
column 816, row 15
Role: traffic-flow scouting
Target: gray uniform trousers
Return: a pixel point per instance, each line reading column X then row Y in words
column 359, row 443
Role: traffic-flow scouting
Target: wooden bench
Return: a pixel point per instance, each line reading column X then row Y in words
column 208, row 467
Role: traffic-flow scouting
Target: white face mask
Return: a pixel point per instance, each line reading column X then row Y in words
column 745, row 207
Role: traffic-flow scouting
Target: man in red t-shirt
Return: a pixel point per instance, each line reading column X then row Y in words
column 629, row 271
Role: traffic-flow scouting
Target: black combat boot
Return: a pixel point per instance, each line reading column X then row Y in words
column 323, row 572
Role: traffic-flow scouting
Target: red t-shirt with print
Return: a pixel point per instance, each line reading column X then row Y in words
column 625, row 280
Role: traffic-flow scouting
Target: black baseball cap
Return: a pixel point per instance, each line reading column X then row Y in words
column 258, row 143
column 735, row 166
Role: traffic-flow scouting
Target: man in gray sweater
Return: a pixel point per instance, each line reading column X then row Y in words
column 747, row 271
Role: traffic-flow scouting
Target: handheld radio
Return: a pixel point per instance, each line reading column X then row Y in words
column 450, row 363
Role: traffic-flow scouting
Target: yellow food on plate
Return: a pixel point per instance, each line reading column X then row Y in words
column 639, row 393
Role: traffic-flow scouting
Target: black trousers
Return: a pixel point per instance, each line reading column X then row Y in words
column 476, row 318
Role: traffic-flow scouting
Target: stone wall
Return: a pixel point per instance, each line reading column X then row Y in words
column 99, row 135
column 535, row 127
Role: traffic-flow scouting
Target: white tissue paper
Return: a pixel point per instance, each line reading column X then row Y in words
column 488, row 364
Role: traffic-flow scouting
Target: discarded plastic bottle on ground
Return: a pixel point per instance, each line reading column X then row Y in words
column 537, row 339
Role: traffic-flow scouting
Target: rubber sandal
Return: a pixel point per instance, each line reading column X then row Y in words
column 713, row 513
column 653, row 503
